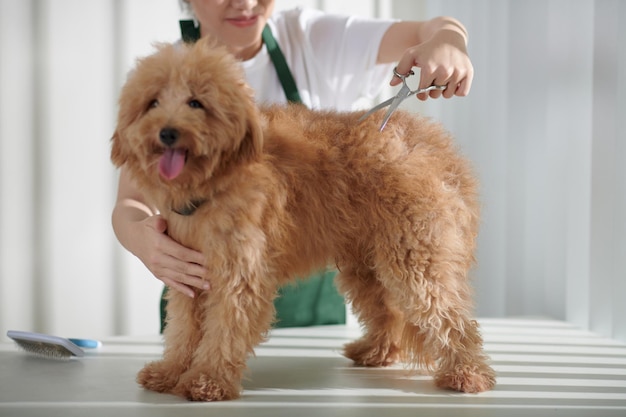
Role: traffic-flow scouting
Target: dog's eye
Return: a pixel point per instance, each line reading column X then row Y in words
column 153, row 103
column 195, row 104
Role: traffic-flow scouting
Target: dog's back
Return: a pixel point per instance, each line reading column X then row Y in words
column 347, row 182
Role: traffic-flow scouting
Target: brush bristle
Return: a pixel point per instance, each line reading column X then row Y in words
column 45, row 350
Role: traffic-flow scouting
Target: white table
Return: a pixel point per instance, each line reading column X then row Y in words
column 544, row 368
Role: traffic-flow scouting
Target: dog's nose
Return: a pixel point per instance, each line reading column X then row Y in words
column 168, row 136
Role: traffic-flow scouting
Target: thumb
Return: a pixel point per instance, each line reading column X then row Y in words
column 404, row 67
column 159, row 224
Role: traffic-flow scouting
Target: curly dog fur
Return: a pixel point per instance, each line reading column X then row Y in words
column 280, row 191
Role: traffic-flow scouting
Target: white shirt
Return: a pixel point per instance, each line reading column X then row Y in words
column 332, row 59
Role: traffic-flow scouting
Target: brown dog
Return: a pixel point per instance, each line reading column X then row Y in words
column 267, row 194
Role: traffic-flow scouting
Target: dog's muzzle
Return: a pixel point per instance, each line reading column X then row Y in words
column 173, row 159
column 168, row 136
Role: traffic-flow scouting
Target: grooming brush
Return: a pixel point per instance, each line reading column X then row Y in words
column 52, row 347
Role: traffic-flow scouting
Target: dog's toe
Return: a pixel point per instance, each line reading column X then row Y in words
column 470, row 379
column 157, row 376
column 365, row 353
column 205, row 388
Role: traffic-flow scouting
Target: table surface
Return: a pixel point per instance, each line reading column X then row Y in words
column 544, row 367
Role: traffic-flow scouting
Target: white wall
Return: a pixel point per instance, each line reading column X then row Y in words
column 542, row 125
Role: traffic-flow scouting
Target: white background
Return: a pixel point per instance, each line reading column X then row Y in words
column 543, row 124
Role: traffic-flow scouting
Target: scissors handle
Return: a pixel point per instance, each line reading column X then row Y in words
column 403, row 77
column 427, row 89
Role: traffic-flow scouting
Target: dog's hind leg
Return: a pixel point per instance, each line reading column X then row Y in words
column 425, row 272
column 445, row 335
column 382, row 322
column 181, row 336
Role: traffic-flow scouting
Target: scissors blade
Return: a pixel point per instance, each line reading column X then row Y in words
column 395, row 101
column 394, row 105
column 376, row 108
column 404, row 92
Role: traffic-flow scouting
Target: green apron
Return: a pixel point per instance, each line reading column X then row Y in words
column 306, row 302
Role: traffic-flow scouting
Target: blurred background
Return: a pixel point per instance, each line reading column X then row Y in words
column 544, row 125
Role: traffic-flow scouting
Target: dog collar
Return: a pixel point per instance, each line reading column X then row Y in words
column 189, row 208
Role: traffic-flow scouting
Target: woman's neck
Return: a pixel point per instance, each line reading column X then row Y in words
column 248, row 52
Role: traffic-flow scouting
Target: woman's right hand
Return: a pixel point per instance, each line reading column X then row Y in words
column 144, row 233
column 179, row 267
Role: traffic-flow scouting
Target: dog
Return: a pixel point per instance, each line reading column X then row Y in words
column 268, row 193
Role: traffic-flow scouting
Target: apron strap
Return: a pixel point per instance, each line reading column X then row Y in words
column 189, row 31
column 282, row 69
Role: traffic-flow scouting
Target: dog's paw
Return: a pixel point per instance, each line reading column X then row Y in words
column 204, row 388
column 467, row 378
column 365, row 353
column 158, row 376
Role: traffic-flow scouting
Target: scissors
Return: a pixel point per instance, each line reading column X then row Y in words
column 404, row 93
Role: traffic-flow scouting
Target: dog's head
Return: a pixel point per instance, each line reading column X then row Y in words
column 185, row 113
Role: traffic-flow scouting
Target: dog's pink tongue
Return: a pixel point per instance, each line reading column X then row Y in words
column 172, row 163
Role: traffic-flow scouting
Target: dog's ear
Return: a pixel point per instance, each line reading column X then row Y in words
column 117, row 155
column 252, row 144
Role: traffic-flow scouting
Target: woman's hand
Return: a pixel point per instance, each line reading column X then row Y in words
column 442, row 60
column 438, row 47
column 179, row 267
column 144, row 233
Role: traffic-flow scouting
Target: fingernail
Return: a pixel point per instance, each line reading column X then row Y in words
column 206, row 286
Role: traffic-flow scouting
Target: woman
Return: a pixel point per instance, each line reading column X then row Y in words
column 335, row 60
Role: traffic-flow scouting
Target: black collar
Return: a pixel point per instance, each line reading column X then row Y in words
column 189, row 208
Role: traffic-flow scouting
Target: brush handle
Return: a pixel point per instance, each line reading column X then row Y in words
column 86, row 343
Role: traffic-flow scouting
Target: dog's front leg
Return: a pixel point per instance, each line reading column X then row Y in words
column 238, row 313
column 181, row 336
